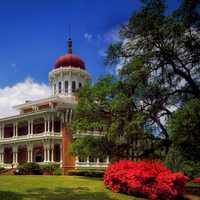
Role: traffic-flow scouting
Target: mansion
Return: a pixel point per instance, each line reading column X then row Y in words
column 40, row 132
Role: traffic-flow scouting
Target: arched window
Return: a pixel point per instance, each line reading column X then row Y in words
column 60, row 87
column 80, row 85
column 66, row 86
column 73, row 86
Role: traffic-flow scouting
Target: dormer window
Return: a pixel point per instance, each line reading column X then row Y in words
column 60, row 87
column 73, row 86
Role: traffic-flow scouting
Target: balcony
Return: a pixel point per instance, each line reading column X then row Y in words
column 31, row 137
column 89, row 133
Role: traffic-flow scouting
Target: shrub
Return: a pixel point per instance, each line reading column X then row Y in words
column 57, row 171
column 86, row 172
column 191, row 168
column 2, row 168
column 29, row 169
column 147, row 178
column 49, row 168
column 196, row 180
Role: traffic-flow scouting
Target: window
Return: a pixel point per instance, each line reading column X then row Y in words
column 73, row 86
column 59, row 87
column 66, row 86
column 80, row 85
column 54, row 88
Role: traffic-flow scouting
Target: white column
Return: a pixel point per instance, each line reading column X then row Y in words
column 31, row 127
column 70, row 86
column 48, row 154
column 16, row 157
column 52, row 153
column 88, row 161
column 52, row 130
column 28, row 151
column 107, row 160
column 13, row 154
column 3, row 131
column 16, row 129
column 48, row 124
column 45, row 125
column 31, row 154
column 45, row 155
column 77, row 159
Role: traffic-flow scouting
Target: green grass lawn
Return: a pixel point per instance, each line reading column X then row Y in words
column 56, row 188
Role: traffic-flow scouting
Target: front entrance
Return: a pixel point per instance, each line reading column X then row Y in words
column 38, row 158
column 38, row 154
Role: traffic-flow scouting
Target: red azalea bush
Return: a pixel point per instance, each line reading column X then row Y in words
column 196, row 180
column 147, row 178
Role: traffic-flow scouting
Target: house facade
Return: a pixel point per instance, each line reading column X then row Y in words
column 40, row 132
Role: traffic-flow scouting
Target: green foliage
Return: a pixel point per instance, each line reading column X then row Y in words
column 86, row 146
column 86, row 172
column 29, row 169
column 161, row 58
column 2, row 168
column 49, row 168
column 184, row 128
column 191, row 168
column 174, row 159
column 57, row 171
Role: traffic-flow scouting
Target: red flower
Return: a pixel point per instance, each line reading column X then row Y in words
column 196, row 180
column 149, row 178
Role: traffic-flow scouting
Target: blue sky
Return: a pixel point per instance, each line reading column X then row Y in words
column 33, row 34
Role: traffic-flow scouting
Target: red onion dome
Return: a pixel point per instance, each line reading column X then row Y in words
column 69, row 59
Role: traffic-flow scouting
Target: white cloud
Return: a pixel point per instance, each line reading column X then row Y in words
column 88, row 36
column 19, row 93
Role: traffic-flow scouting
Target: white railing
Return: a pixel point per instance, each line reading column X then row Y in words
column 30, row 136
column 88, row 133
column 91, row 164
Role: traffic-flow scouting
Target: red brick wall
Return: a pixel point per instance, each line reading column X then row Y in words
column 68, row 160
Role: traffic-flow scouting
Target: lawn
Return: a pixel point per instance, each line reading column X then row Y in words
column 56, row 188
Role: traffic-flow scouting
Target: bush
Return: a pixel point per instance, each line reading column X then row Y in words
column 57, row 171
column 191, row 168
column 29, row 169
column 2, row 168
column 49, row 168
column 86, row 172
column 196, row 180
column 146, row 178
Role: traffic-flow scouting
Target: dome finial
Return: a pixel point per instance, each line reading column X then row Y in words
column 69, row 42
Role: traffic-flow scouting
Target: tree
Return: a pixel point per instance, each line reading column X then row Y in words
column 184, row 129
column 161, row 55
column 107, row 108
column 161, row 71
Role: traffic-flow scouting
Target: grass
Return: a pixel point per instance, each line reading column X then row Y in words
column 56, row 188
